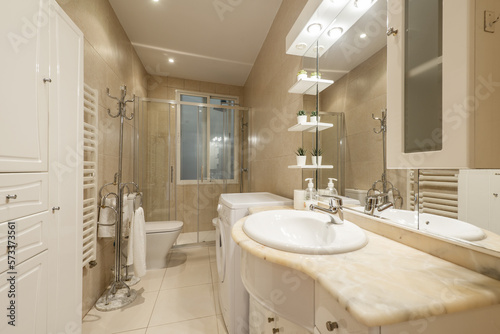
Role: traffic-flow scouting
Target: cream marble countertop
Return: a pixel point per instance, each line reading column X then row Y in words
column 385, row 282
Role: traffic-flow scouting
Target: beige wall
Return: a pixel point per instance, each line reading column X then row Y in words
column 359, row 94
column 273, row 109
column 191, row 204
column 109, row 61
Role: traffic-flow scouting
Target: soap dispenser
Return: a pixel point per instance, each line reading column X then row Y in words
column 330, row 189
column 310, row 196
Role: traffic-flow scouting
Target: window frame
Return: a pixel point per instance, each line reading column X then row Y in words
column 208, row 96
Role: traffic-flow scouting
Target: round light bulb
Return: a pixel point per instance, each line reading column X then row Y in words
column 363, row 35
column 171, row 60
column 363, row 4
column 314, row 28
column 301, row 46
column 335, row 32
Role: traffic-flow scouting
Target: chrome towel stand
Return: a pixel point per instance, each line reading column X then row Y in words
column 119, row 298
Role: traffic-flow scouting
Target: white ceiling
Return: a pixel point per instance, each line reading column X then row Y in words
column 210, row 40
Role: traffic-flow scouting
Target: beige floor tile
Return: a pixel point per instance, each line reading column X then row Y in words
column 211, row 252
column 197, row 326
column 137, row 331
column 132, row 317
column 183, row 304
column 151, row 281
column 221, row 325
column 215, row 287
column 187, row 267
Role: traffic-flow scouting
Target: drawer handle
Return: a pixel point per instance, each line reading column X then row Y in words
column 270, row 320
column 331, row 326
column 11, row 196
column 276, row 330
column 54, row 208
column 47, row 80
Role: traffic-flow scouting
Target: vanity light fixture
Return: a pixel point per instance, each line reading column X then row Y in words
column 335, row 32
column 363, row 4
column 314, row 28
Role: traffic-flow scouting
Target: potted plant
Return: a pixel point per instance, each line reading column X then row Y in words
column 302, row 75
column 315, row 75
column 301, row 117
column 314, row 116
column 316, row 156
column 301, row 156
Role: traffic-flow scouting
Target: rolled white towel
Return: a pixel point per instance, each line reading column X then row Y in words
column 137, row 243
column 107, row 216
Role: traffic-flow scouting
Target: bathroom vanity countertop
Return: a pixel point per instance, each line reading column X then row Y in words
column 385, row 282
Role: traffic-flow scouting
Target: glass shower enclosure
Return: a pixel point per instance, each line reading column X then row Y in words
column 188, row 152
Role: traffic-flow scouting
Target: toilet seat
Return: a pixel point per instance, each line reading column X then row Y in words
column 163, row 226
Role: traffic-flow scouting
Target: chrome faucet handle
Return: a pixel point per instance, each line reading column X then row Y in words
column 370, row 204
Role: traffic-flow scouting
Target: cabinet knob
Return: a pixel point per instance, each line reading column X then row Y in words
column 54, row 208
column 495, row 194
column 47, row 80
column 392, row 32
column 11, row 196
column 270, row 319
column 331, row 326
column 276, row 330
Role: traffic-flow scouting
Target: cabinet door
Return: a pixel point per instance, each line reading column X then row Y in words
column 24, row 94
column 29, row 296
column 287, row 327
column 439, row 81
column 261, row 320
column 31, row 237
column 22, row 194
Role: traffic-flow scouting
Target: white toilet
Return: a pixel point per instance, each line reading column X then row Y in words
column 160, row 236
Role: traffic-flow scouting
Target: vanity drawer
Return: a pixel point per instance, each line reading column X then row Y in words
column 22, row 194
column 329, row 310
column 31, row 237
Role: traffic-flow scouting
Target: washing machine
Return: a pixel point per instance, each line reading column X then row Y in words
column 233, row 298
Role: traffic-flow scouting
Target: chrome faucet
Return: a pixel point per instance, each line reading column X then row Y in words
column 379, row 202
column 335, row 207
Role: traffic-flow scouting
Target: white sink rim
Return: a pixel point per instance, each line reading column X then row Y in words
column 303, row 232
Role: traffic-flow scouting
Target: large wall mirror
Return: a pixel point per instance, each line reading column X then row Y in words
column 462, row 206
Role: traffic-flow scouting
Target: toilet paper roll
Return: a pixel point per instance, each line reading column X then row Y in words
column 298, row 199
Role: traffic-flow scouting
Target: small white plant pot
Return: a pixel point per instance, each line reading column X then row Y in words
column 301, row 160
column 301, row 77
column 319, row 160
column 314, row 161
column 315, row 119
column 302, row 119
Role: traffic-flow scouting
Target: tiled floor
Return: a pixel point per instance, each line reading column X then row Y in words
column 182, row 298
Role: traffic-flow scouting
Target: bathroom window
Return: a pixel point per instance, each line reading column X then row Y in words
column 207, row 140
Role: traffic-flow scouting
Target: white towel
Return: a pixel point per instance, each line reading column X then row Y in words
column 137, row 244
column 107, row 216
column 128, row 213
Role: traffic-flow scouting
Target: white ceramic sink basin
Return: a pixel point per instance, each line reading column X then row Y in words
column 435, row 224
column 303, row 232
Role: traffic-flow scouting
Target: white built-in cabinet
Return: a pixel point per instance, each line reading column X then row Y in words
column 442, row 83
column 40, row 167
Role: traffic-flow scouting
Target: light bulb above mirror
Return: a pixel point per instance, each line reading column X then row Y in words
column 335, row 32
column 363, row 4
column 314, row 28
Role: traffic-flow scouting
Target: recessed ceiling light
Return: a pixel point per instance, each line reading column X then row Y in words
column 335, row 32
column 363, row 4
column 314, row 28
column 171, row 60
column 321, row 48
column 301, row 46
column 156, row 0
column 363, row 35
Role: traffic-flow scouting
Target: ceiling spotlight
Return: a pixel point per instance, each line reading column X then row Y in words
column 301, row 46
column 156, row 0
column 363, row 4
column 363, row 35
column 320, row 48
column 314, row 28
column 335, row 32
column 171, row 60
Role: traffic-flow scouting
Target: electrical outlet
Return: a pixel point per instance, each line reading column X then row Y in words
column 489, row 21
